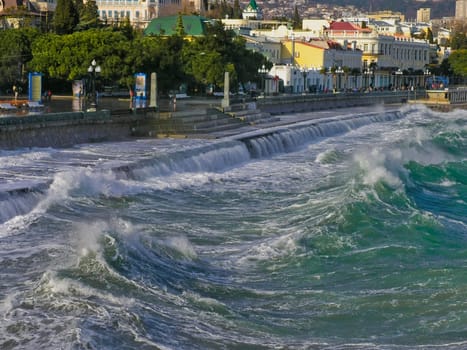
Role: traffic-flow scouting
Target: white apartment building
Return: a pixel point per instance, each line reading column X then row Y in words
column 424, row 15
column 141, row 12
column 387, row 51
column 461, row 9
column 269, row 48
column 383, row 55
column 315, row 27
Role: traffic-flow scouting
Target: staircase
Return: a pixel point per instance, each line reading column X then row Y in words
column 210, row 122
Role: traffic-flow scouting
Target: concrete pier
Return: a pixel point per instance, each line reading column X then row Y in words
column 446, row 99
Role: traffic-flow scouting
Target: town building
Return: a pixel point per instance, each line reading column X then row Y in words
column 383, row 27
column 461, row 9
column 383, row 55
column 192, row 25
column 387, row 16
column 319, row 53
column 38, row 13
column 252, row 11
column 424, row 15
column 325, row 65
column 315, row 27
column 140, row 13
column 268, row 47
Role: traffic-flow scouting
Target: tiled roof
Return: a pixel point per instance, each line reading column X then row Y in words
column 323, row 44
column 345, row 26
column 193, row 25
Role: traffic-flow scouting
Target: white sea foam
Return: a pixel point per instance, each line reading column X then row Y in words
column 182, row 245
column 270, row 248
column 88, row 236
column 374, row 165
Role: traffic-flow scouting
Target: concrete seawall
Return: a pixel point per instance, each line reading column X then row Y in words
column 308, row 102
column 66, row 129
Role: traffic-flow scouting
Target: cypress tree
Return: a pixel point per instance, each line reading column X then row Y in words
column 66, row 17
column 297, row 21
column 237, row 12
column 180, row 28
column 89, row 17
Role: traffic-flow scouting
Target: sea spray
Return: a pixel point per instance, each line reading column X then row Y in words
column 349, row 234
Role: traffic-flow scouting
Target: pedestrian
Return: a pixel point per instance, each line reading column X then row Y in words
column 49, row 95
column 15, row 92
column 132, row 94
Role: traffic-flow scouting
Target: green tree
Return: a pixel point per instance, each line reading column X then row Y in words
column 445, row 68
column 237, row 11
column 429, row 35
column 88, row 16
column 296, row 21
column 205, row 59
column 459, row 41
column 125, row 27
column 15, row 53
column 68, row 56
column 180, row 29
column 458, row 62
column 66, row 17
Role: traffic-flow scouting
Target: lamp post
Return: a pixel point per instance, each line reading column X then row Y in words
column 305, row 73
column 368, row 72
column 262, row 71
column 339, row 72
column 398, row 74
column 93, row 71
column 426, row 73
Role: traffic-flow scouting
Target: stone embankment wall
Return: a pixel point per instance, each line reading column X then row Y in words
column 70, row 128
column 67, row 129
column 308, row 102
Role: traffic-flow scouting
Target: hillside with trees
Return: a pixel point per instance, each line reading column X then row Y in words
column 439, row 9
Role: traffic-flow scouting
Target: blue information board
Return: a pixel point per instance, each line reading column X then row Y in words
column 35, row 86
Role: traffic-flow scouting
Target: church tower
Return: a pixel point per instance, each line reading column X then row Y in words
column 252, row 11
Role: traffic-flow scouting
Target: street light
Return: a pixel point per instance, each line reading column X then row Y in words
column 367, row 72
column 339, row 72
column 426, row 73
column 93, row 71
column 262, row 71
column 398, row 74
column 305, row 73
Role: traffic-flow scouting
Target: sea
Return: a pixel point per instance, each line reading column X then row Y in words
column 342, row 232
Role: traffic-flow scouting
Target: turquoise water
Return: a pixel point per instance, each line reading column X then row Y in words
column 341, row 233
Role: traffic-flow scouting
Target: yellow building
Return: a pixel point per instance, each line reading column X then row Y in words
column 423, row 15
column 320, row 54
column 389, row 16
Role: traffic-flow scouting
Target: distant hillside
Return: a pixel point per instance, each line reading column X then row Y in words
column 439, row 9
